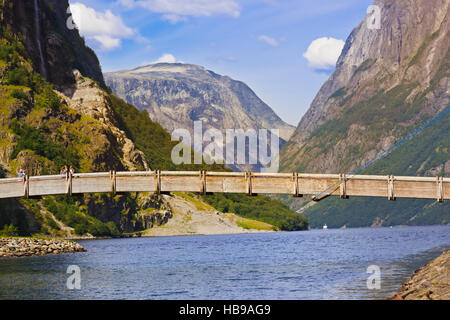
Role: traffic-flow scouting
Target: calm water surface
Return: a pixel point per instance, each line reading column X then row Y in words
column 318, row 264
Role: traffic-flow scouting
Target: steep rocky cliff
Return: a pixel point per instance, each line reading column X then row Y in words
column 54, row 49
column 387, row 83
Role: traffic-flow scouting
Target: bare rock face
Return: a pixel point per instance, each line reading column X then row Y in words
column 386, row 83
column 177, row 95
column 431, row 282
column 89, row 99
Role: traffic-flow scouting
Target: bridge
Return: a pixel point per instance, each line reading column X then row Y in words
column 296, row 184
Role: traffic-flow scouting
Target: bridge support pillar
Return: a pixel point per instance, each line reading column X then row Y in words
column 158, row 181
column 69, row 184
column 440, row 189
column 391, row 191
column 112, row 175
column 203, row 182
column 26, row 186
column 296, row 192
column 343, row 186
column 249, row 180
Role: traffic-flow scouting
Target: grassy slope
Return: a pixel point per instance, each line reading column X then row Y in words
column 259, row 208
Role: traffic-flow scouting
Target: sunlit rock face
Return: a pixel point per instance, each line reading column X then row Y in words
column 176, row 95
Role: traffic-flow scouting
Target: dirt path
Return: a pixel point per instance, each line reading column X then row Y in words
column 195, row 217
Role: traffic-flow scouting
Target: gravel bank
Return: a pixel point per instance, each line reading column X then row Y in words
column 22, row 247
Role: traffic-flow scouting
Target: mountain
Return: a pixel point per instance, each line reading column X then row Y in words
column 54, row 49
column 176, row 95
column 387, row 83
column 55, row 110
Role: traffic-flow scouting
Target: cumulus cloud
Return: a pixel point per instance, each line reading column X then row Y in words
column 107, row 42
column 269, row 40
column 105, row 28
column 323, row 53
column 166, row 58
column 179, row 10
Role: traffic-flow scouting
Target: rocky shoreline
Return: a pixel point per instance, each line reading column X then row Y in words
column 23, row 247
column 431, row 282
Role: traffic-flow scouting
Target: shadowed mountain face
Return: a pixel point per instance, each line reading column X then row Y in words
column 177, row 95
column 54, row 49
column 387, row 83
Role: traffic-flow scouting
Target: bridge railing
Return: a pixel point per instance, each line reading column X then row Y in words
column 296, row 184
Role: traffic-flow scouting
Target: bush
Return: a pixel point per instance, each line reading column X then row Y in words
column 9, row 231
column 259, row 208
column 47, row 98
column 5, row 51
column 19, row 94
column 81, row 229
column 19, row 77
column 32, row 139
column 113, row 231
column 52, row 223
column 67, row 211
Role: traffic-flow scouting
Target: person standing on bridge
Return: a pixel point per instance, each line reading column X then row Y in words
column 63, row 170
column 72, row 170
column 21, row 173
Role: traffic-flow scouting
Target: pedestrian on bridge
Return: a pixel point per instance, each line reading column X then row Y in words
column 21, row 173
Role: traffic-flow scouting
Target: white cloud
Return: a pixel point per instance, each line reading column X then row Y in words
column 107, row 42
column 179, row 10
column 270, row 41
column 165, row 58
column 323, row 53
column 173, row 18
column 105, row 28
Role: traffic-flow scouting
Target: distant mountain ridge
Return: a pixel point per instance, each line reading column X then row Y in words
column 176, row 95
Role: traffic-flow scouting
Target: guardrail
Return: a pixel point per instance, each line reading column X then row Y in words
column 250, row 183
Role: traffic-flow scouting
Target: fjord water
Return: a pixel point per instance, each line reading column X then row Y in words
column 317, row 264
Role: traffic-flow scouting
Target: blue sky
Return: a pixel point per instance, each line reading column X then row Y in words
column 260, row 42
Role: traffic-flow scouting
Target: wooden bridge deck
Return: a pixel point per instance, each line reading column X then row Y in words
column 296, row 184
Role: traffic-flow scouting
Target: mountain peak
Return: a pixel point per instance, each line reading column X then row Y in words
column 166, row 67
column 177, row 94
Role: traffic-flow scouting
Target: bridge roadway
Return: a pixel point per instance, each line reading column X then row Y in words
column 296, row 184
